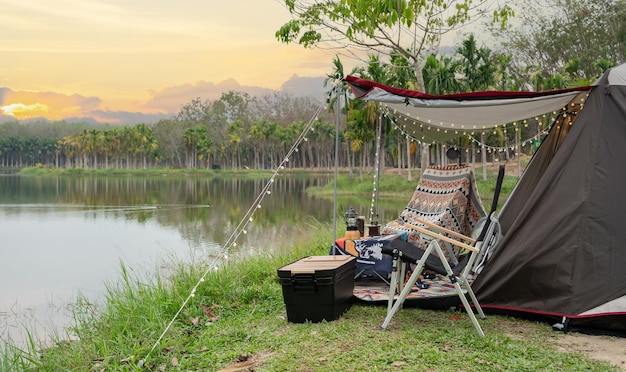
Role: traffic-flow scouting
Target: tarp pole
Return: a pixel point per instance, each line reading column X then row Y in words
column 408, row 158
column 519, row 157
column 338, row 120
column 378, row 162
column 483, row 154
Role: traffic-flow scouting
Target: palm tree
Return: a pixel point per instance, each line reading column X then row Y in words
column 190, row 139
column 477, row 66
column 440, row 75
column 205, row 146
column 144, row 142
column 237, row 133
column 359, row 134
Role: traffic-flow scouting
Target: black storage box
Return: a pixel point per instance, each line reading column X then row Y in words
column 318, row 288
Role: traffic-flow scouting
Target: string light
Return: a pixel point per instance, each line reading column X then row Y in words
column 418, row 132
column 231, row 241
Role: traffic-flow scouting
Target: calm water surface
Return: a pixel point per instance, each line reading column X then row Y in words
column 65, row 236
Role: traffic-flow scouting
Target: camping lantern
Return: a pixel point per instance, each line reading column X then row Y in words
column 352, row 229
column 350, row 218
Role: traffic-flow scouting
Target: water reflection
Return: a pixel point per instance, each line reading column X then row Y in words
column 201, row 209
column 65, row 235
column 62, row 235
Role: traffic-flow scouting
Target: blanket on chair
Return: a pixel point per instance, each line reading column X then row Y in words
column 446, row 196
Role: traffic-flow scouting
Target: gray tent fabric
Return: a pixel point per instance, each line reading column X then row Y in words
column 563, row 252
column 563, row 249
column 537, row 167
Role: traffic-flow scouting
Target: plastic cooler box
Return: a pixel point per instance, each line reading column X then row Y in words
column 318, row 288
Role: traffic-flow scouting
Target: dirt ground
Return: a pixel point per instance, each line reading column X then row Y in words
column 604, row 348
column 611, row 349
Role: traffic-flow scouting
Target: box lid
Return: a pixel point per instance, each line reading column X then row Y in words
column 311, row 264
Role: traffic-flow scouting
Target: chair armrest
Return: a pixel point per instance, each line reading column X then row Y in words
column 441, row 237
column 443, row 229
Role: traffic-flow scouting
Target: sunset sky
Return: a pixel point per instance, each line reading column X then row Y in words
column 85, row 58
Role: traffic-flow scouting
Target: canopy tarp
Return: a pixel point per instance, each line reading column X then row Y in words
column 430, row 118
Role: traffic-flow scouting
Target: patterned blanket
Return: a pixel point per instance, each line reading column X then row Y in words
column 446, row 196
column 440, row 289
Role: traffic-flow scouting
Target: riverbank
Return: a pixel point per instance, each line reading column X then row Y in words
column 236, row 320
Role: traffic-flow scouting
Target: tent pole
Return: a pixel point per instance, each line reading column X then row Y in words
column 408, row 158
column 378, row 164
column 338, row 119
column 483, row 154
column 519, row 158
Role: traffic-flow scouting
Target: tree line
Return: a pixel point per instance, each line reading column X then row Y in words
column 236, row 131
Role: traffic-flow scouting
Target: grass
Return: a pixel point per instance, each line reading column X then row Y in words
column 237, row 319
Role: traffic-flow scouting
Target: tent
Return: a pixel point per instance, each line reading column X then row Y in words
column 562, row 254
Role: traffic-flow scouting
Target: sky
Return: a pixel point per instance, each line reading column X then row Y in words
column 114, row 59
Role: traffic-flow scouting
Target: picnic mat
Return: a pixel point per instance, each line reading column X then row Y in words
column 439, row 295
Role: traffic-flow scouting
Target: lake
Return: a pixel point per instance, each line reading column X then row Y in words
column 69, row 235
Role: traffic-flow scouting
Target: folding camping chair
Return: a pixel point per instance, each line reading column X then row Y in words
column 431, row 234
column 445, row 196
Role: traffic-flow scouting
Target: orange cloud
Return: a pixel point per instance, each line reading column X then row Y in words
column 53, row 106
column 22, row 111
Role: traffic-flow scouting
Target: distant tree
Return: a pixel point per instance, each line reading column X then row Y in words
column 578, row 38
column 168, row 134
